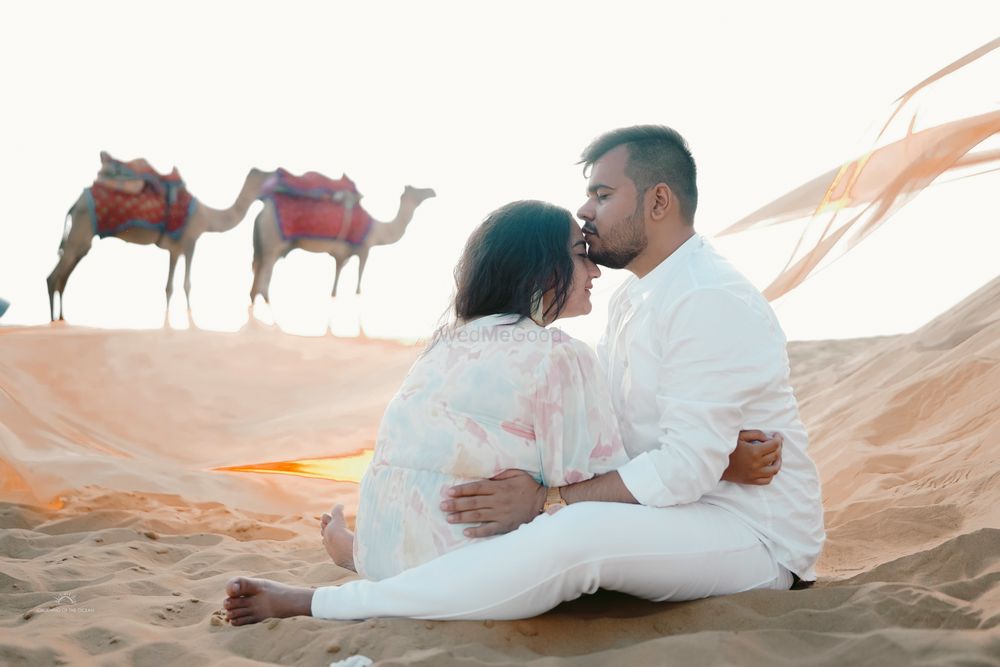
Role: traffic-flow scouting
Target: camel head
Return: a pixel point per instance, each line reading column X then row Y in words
column 254, row 182
column 415, row 196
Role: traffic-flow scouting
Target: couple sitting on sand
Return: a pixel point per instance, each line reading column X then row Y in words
column 627, row 470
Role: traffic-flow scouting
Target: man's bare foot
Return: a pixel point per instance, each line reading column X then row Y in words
column 337, row 539
column 253, row 600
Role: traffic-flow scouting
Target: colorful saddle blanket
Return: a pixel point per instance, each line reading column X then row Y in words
column 132, row 194
column 316, row 206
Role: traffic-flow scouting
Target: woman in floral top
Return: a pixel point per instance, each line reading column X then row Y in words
column 497, row 390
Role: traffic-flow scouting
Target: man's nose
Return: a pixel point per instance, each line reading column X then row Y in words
column 585, row 212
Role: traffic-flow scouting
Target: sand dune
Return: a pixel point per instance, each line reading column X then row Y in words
column 117, row 536
column 906, row 434
column 157, row 410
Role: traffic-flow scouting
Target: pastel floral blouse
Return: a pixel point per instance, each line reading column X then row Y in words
column 484, row 397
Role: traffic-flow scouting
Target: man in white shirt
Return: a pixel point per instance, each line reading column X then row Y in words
column 692, row 353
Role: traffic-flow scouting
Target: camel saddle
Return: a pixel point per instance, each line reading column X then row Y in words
column 318, row 207
column 133, row 194
column 314, row 185
column 134, row 175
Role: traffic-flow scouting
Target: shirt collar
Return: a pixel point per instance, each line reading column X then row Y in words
column 640, row 288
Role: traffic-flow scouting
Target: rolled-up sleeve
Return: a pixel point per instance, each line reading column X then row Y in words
column 716, row 353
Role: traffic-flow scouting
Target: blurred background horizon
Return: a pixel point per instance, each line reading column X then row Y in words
column 485, row 105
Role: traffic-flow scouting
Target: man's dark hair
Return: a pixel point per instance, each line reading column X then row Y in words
column 519, row 252
column 656, row 154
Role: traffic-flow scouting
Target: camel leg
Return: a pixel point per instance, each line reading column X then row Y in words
column 263, row 268
column 52, row 281
column 257, row 222
column 74, row 247
column 60, row 276
column 52, row 300
column 256, row 288
column 188, row 256
column 338, row 266
column 265, row 279
column 170, row 284
column 362, row 260
column 262, row 278
column 268, row 248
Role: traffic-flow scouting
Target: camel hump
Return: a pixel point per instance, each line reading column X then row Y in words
column 315, row 185
column 113, row 169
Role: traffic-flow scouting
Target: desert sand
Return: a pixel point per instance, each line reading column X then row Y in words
column 117, row 533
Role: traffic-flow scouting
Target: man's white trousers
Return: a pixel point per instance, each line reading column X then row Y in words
column 670, row 553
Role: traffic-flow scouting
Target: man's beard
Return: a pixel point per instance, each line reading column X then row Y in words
column 623, row 243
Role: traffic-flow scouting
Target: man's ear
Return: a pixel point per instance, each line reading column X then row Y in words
column 661, row 201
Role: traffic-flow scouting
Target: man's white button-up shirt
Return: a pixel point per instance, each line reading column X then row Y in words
column 693, row 354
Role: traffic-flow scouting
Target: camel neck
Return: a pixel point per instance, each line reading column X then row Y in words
column 225, row 219
column 390, row 232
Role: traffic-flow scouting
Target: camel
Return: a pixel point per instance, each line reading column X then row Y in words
column 269, row 246
column 76, row 244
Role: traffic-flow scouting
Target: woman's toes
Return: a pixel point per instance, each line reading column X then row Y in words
column 242, row 612
column 324, row 521
column 237, row 603
column 234, row 587
column 241, row 586
column 244, row 619
column 337, row 515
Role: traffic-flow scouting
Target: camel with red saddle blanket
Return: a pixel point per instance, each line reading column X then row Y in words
column 321, row 214
column 132, row 202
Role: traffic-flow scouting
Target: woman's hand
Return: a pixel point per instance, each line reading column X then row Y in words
column 756, row 459
column 499, row 504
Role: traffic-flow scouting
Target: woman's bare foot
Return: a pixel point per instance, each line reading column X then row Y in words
column 253, row 600
column 337, row 539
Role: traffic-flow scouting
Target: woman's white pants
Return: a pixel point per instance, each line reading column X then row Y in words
column 658, row 553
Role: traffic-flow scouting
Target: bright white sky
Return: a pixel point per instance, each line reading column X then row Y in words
column 486, row 103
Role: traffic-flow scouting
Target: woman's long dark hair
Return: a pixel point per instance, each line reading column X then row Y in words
column 518, row 253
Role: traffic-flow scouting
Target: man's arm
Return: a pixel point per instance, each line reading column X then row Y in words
column 755, row 460
column 718, row 354
column 513, row 497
